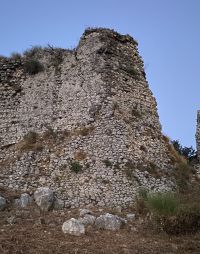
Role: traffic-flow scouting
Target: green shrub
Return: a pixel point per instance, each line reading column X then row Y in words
column 162, row 203
column 33, row 66
column 188, row 152
column 173, row 214
column 76, row 167
column 33, row 52
column 16, row 56
column 131, row 71
column 185, row 220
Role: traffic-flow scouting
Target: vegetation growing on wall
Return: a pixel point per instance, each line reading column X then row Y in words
column 30, row 142
column 76, row 167
column 33, row 66
column 173, row 213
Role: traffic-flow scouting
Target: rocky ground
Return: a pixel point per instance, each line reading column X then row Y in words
column 30, row 230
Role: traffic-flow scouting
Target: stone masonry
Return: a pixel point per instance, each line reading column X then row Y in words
column 198, row 135
column 88, row 128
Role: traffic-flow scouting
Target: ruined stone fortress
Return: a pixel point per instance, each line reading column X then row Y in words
column 198, row 137
column 86, row 125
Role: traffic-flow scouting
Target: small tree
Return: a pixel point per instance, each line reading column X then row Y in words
column 188, row 152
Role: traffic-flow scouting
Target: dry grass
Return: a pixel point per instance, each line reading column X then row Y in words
column 84, row 131
column 30, row 142
column 80, row 155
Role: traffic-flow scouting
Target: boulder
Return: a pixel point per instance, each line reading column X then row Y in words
column 24, row 200
column 58, row 204
column 17, row 202
column 110, row 222
column 44, row 198
column 73, row 227
column 88, row 219
column 130, row 216
column 2, row 203
column 84, row 211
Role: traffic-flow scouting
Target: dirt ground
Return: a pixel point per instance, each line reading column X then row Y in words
column 31, row 231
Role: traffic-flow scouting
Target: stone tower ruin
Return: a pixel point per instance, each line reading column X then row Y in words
column 198, row 135
column 86, row 125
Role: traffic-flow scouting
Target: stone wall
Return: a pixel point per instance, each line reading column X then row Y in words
column 88, row 129
column 198, row 135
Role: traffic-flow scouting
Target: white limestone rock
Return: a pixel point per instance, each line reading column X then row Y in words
column 25, row 200
column 130, row 216
column 44, row 198
column 110, row 222
column 73, row 227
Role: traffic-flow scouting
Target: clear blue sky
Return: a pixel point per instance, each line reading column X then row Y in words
column 168, row 32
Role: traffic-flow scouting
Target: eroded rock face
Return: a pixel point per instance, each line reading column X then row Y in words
column 73, row 227
column 44, row 198
column 89, row 128
column 109, row 222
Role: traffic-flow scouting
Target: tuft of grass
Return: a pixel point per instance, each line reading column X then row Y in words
column 131, row 71
column 129, row 169
column 153, row 169
column 33, row 66
column 80, row 155
column 136, row 113
column 76, row 167
column 162, row 203
column 85, row 130
column 30, row 142
column 50, row 134
column 31, row 137
column 107, row 163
